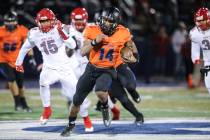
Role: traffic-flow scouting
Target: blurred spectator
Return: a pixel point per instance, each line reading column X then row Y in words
column 178, row 39
column 161, row 44
column 186, row 55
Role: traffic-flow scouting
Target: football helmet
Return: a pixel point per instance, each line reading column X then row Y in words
column 97, row 17
column 45, row 20
column 109, row 20
column 202, row 18
column 10, row 20
column 79, row 18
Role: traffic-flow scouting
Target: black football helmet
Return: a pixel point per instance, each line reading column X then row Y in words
column 109, row 20
column 10, row 20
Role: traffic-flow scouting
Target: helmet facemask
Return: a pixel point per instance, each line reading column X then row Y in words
column 79, row 24
column 202, row 19
column 79, row 18
column 10, row 21
column 45, row 20
column 109, row 20
column 46, row 25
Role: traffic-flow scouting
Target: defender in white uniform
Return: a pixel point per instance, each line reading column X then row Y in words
column 200, row 42
column 51, row 40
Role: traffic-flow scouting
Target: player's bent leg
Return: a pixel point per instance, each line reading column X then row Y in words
column 128, row 80
column 103, row 83
column 72, row 118
column 47, row 77
column 84, row 114
column 103, row 97
column 128, row 105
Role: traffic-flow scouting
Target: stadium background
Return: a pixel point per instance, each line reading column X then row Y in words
column 143, row 17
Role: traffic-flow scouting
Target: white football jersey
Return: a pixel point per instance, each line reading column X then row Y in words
column 200, row 40
column 78, row 36
column 51, row 46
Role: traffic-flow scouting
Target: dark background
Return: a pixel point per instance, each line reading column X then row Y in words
column 144, row 18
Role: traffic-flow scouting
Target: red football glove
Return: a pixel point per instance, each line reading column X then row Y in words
column 20, row 68
column 60, row 31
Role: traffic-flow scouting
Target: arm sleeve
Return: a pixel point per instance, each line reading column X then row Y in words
column 195, row 51
column 23, row 51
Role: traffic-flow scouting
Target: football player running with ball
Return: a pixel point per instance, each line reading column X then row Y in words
column 103, row 43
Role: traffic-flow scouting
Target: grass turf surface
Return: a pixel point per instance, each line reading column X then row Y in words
column 157, row 102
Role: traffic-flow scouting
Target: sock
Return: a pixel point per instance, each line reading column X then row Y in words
column 105, row 104
column 23, row 102
column 131, row 108
column 72, row 120
column 17, row 100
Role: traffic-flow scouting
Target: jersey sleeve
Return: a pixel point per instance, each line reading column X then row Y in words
column 127, row 35
column 27, row 45
column 195, row 47
column 86, row 33
column 24, row 32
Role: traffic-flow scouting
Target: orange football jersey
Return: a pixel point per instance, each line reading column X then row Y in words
column 13, row 40
column 109, row 53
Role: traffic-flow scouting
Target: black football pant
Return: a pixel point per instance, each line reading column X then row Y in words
column 93, row 76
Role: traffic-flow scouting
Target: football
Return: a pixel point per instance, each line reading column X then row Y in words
column 127, row 55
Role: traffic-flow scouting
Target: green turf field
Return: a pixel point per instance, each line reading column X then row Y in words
column 156, row 103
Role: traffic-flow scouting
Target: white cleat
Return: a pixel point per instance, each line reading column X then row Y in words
column 88, row 130
column 43, row 121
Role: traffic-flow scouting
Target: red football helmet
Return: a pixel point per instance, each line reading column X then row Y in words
column 202, row 18
column 45, row 20
column 79, row 18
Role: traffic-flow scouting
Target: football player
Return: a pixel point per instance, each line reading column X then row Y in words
column 79, row 19
column 12, row 36
column 125, row 78
column 103, row 44
column 200, row 42
column 51, row 39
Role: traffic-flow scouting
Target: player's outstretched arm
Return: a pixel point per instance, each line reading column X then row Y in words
column 23, row 51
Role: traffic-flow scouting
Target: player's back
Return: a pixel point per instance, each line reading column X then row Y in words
column 202, row 38
column 51, row 46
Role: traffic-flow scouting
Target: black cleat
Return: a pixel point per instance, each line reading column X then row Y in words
column 136, row 97
column 106, row 116
column 139, row 120
column 67, row 130
column 98, row 106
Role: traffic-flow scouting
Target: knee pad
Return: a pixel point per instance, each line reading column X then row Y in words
column 77, row 100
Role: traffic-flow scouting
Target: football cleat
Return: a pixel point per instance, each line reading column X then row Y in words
column 45, row 115
column 67, row 130
column 88, row 124
column 106, row 116
column 136, row 97
column 18, row 108
column 116, row 113
column 27, row 109
column 139, row 120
